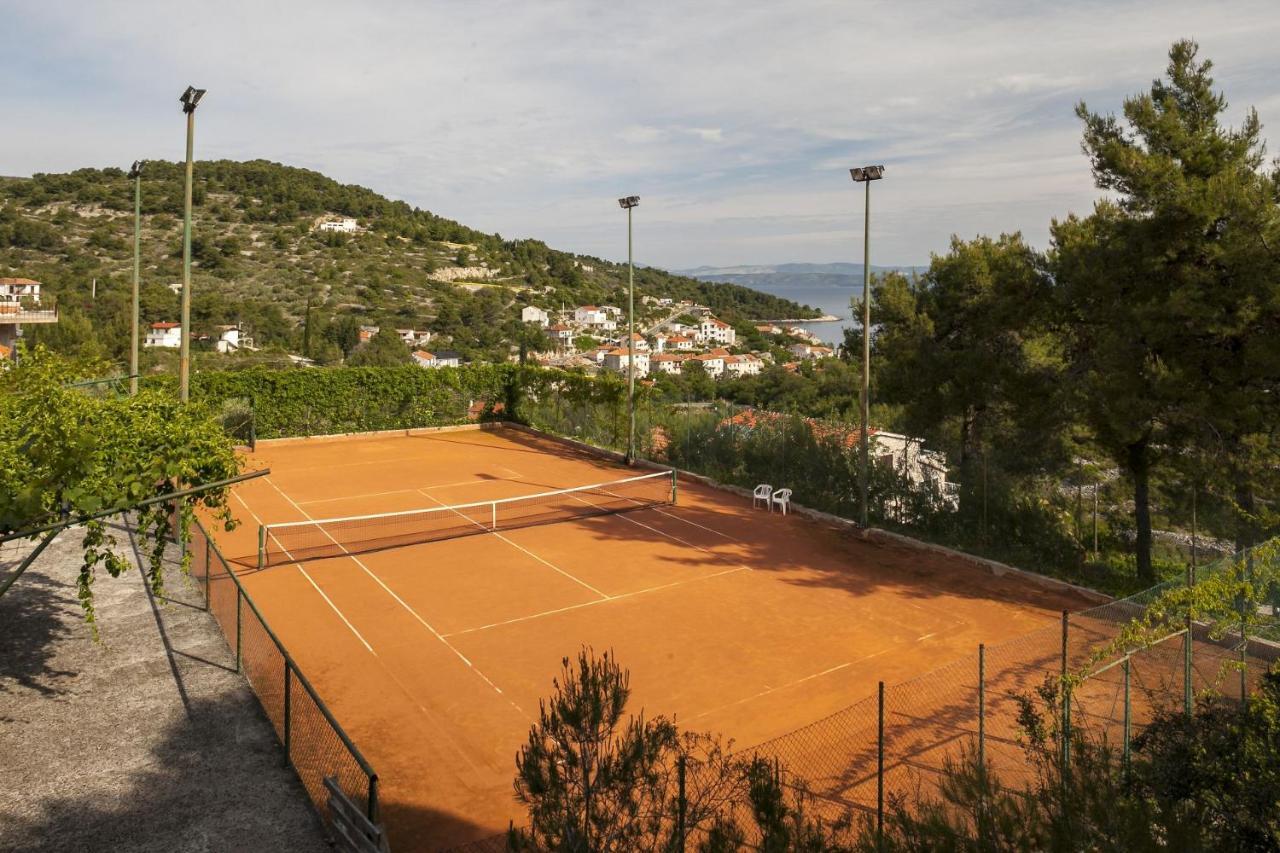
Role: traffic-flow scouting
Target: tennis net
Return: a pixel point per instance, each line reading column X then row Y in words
column 291, row 542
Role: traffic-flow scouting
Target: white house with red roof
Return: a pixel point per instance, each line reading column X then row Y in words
column 561, row 334
column 666, row 362
column 680, row 343
column 422, row 358
column 742, row 365
column 167, row 335
column 616, row 359
column 713, row 331
column 713, row 363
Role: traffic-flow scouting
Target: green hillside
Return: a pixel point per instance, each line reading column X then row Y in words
column 259, row 260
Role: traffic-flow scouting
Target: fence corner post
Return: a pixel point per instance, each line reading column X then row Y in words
column 1128, row 717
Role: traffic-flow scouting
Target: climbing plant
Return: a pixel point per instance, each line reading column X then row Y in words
column 69, row 450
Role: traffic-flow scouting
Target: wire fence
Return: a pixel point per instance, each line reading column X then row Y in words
column 315, row 744
column 900, row 742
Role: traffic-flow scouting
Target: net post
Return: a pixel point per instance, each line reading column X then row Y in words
column 675, row 487
column 262, row 546
column 288, row 712
column 493, row 508
column 239, row 632
column 880, row 767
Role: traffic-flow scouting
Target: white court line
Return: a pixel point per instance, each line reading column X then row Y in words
column 603, row 596
column 410, row 489
column 696, row 524
column 584, row 604
column 404, row 604
column 790, row 684
column 408, row 694
column 328, row 601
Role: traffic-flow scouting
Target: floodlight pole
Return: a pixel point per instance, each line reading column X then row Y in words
column 865, row 175
column 630, row 203
column 136, row 174
column 189, row 100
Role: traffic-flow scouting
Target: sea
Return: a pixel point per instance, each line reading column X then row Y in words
column 829, row 300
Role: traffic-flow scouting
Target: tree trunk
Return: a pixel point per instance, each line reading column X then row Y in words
column 1140, row 467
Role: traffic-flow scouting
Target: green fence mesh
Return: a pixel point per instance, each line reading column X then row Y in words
column 316, row 745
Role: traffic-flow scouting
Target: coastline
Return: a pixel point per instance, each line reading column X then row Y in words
column 825, row 318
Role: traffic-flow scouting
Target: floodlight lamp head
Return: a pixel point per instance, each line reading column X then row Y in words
column 190, row 98
column 135, row 171
column 629, row 202
column 867, row 173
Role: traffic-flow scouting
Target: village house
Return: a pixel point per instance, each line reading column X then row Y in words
column 666, row 362
column 638, row 342
column 343, row 225
column 561, row 334
column 616, row 359
column 742, row 365
column 367, row 333
column 448, row 358
column 680, row 343
column 713, row 331
column 231, row 339
column 713, row 363
column 535, row 315
column 810, row 351
column 422, row 358
column 167, row 335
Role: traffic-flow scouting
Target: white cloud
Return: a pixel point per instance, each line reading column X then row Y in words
column 736, row 122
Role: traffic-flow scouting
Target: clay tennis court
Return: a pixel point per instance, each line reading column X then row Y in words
column 433, row 656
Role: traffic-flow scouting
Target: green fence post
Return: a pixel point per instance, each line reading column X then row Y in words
column 982, row 739
column 1187, row 668
column 1128, row 717
column 1244, row 631
column 880, row 768
column 680, row 803
column 208, row 568
column 982, row 708
column 1066, row 699
column 288, row 711
column 239, row 610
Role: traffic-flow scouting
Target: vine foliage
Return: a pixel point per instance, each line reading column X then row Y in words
column 68, row 451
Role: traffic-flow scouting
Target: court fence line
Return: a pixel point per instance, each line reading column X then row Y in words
column 315, row 743
column 897, row 743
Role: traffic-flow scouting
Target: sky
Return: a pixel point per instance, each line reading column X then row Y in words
column 735, row 122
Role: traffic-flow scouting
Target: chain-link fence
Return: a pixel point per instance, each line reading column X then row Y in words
column 315, row 744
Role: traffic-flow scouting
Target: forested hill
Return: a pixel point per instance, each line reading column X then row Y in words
column 260, row 260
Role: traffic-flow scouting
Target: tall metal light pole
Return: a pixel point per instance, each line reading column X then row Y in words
column 136, row 174
column 865, row 175
column 190, row 99
column 629, row 203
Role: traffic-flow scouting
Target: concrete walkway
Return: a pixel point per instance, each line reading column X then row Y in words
column 147, row 740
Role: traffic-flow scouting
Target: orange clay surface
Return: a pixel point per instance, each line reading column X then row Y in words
column 433, row 657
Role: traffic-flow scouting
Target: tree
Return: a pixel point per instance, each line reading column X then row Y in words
column 384, row 349
column 1164, row 288
column 967, row 352
column 595, row 783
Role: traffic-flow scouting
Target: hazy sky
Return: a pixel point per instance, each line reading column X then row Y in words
column 734, row 121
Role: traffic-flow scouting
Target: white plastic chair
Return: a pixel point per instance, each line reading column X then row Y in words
column 782, row 499
column 762, row 493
